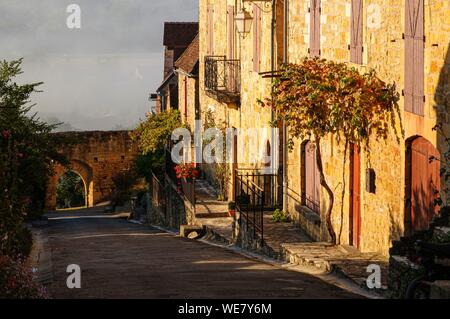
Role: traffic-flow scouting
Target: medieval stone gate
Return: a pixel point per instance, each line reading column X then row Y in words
column 96, row 156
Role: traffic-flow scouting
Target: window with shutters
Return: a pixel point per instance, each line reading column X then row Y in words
column 314, row 34
column 256, row 38
column 414, row 56
column 310, row 177
column 210, row 26
column 356, row 32
column 230, row 31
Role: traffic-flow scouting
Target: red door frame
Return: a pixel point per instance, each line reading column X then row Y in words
column 355, row 196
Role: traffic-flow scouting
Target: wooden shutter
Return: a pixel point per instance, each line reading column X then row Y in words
column 230, row 31
column 356, row 32
column 314, row 35
column 414, row 56
column 210, row 13
column 256, row 37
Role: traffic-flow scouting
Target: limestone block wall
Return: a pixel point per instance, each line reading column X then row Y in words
column 249, row 114
column 96, row 156
column 187, row 113
column 382, row 213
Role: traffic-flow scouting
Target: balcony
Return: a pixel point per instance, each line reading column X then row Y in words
column 223, row 79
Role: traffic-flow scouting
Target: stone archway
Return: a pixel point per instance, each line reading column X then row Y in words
column 96, row 156
column 86, row 174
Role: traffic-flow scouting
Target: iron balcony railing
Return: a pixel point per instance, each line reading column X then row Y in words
column 223, row 78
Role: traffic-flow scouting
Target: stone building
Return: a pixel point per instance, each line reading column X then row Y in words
column 230, row 77
column 188, row 98
column 177, row 37
column 406, row 42
column 389, row 192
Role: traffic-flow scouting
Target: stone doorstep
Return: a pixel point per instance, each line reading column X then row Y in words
column 333, row 259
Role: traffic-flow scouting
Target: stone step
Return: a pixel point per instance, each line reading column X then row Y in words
column 211, row 215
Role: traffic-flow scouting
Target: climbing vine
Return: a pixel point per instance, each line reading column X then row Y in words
column 318, row 97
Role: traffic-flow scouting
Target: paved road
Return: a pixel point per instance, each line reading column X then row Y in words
column 119, row 259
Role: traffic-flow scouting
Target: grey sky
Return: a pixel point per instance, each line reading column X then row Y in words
column 99, row 76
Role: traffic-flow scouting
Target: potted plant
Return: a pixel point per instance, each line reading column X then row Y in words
column 186, row 170
column 231, row 209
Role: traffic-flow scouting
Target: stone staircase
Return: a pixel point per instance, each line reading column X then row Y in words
column 212, row 213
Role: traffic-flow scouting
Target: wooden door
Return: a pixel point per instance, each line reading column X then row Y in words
column 355, row 196
column 422, row 184
column 311, row 185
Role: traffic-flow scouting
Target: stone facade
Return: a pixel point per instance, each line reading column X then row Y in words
column 96, row 156
column 382, row 212
column 248, row 113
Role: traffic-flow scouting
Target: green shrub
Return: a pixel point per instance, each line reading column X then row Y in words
column 18, row 242
column 279, row 216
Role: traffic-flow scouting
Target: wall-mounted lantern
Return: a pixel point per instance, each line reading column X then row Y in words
column 243, row 21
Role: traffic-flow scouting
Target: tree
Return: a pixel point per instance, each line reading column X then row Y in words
column 27, row 152
column 152, row 136
column 154, row 132
column 317, row 98
column 70, row 191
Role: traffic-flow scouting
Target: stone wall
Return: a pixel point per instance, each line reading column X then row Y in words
column 248, row 114
column 165, row 206
column 96, row 156
column 382, row 213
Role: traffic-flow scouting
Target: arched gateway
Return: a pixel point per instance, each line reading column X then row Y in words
column 96, row 156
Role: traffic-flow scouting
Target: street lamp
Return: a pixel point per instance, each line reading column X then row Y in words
column 243, row 21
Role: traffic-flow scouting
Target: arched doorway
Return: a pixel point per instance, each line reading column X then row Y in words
column 71, row 191
column 422, row 184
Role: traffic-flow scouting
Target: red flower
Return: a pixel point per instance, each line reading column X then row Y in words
column 6, row 134
column 188, row 170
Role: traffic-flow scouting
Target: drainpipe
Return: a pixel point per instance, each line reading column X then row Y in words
column 285, row 139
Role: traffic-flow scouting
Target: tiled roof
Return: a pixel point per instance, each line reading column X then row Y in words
column 189, row 59
column 179, row 33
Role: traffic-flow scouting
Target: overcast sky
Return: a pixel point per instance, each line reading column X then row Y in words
column 99, row 76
